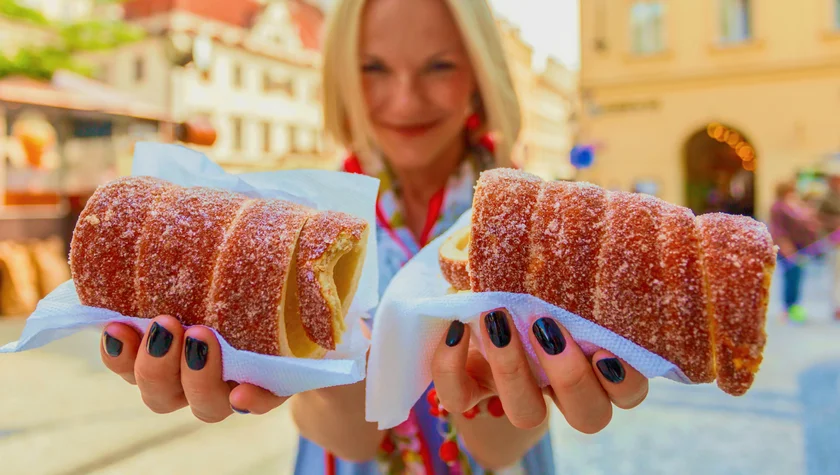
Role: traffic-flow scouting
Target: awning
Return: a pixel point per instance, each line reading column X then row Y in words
column 74, row 92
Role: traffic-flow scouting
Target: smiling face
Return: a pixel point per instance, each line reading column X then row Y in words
column 418, row 80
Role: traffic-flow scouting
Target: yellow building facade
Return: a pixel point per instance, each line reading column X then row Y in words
column 548, row 98
column 656, row 74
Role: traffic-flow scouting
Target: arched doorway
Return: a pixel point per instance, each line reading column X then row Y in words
column 720, row 164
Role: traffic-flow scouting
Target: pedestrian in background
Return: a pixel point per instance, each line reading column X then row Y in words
column 793, row 228
column 829, row 212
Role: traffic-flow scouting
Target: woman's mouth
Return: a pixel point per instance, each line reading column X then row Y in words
column 412, row 130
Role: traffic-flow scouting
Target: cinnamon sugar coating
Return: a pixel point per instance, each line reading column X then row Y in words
column 145, row 247
column 251, row 275
column 503, row 205
column 455, row 272
column 685, row 313
column 693, row 290
column 565, row 244
column 740, row 257
column 103, row 251
column 629, row 284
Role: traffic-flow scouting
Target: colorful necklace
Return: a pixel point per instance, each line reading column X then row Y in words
column 404, row 450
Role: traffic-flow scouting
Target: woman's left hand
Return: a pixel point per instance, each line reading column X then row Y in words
column 583, row 389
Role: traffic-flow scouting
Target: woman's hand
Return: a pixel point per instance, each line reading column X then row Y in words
column 584, row 390
column 175, row 368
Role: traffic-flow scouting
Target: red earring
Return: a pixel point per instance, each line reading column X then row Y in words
column 473, row 122
column 487, row 142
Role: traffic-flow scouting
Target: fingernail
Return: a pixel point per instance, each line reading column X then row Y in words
column 159, row 341
column 612, row 369
column 498, row 328
column 195, row 351
column 240, row 411
column 549, row 336
column 112, row 346
column 455, row 333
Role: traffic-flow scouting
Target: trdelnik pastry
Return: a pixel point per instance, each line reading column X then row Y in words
column 271, row 276
column 693, row 290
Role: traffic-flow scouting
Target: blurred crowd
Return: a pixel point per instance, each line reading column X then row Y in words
column 805, row 224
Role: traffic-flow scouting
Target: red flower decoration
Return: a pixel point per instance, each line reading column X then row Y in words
column 471, row 413
column 494, row 407
column 449, row 451
column 431, row 396
column 387, row 445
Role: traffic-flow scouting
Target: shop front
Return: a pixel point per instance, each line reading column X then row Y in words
column 57, row 144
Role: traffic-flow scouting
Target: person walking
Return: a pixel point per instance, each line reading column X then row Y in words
column 793, row 229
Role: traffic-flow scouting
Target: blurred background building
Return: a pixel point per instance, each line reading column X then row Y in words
column 549, row 101
column 81, row 81
column 709, row 104
column 249, row 71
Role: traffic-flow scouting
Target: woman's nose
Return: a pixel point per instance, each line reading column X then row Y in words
column 406, row 97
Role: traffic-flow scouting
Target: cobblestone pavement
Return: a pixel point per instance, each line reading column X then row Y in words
column 62, row 413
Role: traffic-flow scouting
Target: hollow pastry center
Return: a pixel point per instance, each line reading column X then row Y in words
column 457, row 246
column 343, row 268
column 299, row 341
column 344, row 271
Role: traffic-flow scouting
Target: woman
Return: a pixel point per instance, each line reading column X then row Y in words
column 793, row 227
column 412, row 87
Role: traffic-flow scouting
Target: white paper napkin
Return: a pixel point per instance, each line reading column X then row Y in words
column 415, row 313
column 60, row 314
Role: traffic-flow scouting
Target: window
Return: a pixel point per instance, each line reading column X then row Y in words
column 271, row 84
column 293, row 139
column 237, row 75
column 736, row 21
column 139, row 69
column 237, row 133
column 266, row 132
column 266, row 81
column 647, row 27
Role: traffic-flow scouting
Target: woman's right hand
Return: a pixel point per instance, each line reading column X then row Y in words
column 174, row 368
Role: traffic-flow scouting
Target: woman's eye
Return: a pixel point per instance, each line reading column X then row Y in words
column 439, row 66
column 373, row 68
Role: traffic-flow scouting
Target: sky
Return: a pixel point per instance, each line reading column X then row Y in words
column 550, row 26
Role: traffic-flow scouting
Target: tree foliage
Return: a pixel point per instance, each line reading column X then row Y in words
column 12, row 9
column 40, row 62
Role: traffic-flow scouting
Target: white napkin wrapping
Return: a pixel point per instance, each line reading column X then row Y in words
column 415, row 313
column 60, row 314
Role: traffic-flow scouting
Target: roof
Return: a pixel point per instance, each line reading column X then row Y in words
column 73, row 92
column 308, row 18
column 235, row 12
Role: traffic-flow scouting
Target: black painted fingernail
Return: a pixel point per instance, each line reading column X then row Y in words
column 549, row 336
column 498, row 328
column 112, row 346
column 195, row 351
column 455, row 333
column 240, row 411
column 159, row 341
column 612, row 369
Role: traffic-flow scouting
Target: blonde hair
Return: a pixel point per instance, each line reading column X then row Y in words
column 345, row 114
